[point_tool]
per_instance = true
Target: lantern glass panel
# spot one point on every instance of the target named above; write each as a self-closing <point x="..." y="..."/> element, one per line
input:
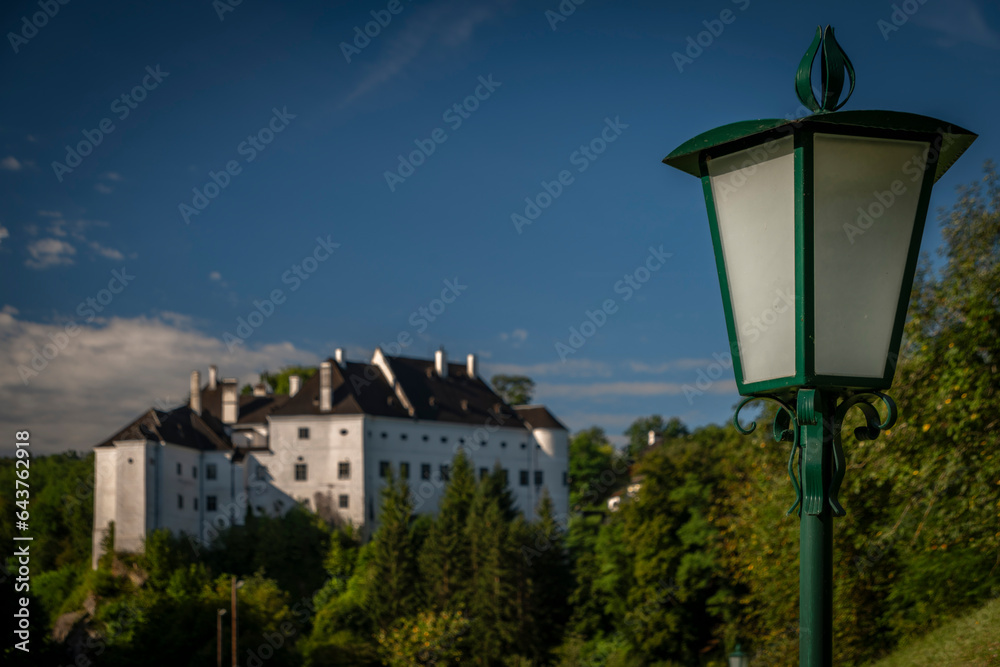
<point x="866" y="195"/>
<point x="753" y="192"/>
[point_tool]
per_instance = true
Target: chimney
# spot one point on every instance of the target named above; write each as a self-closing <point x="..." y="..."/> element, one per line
<point x="260" y="389"/>
<point x="195" y="402"/>
<point x="338" y="355"/>
<point x="471" y="367"/>
<point x="652" y="438"/>
<point x="229" y="401"/>
<point x="441" y="363"/>
<point x="213" y="377"/>
<point x="294" y="384"/>
<point x="325" y="388"/>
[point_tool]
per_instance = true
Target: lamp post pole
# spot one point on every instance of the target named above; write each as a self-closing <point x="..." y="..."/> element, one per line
<point x="815" y="416"/>
<point x="218" y="636"/>
<point x="234" y="620"/>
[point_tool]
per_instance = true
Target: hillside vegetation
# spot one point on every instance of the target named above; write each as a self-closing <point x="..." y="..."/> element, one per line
<point x="702" y="557"/>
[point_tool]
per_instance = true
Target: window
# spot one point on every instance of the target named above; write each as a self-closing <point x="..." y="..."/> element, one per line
<point x="483" y="472"/>
<point x="444" y="438"/>
<point x="404" y="470"/>
<point x="195" y="504"/>
<point x="524" y="478"/>
<point x="210" y="503"/>
<point x="425" y="471"/>
<point x="538" y="478"/>
<point x="344" y="501"/>
<point x="343" y="431"/>
<point x="461" y="441"/>
<point x="300" y="472"/>
<point x="384" y="434"/>
<point x="210" y="471"/>
<point x="179" y="469"/>
<point x="503" y="445"/>
<point x="344" y="470"/>
<point x="303" y="433"/>
<point x="383" y="468"/>
<point x="425" y="438"/>
<point x="180" y="501"/>
<point x="445" y="472"/>
<point x="523" y="445"/>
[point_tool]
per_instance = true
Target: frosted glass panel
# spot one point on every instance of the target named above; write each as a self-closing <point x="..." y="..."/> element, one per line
<point x="866" y="194"/>
<point x="754" y="193"/>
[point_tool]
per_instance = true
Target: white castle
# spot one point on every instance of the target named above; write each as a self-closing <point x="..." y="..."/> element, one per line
<point x="327" y="445"/>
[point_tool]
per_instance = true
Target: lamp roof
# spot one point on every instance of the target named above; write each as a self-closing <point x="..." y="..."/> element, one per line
<point x="955" y="139"/>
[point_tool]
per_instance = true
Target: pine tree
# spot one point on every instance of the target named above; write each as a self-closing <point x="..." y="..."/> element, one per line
<point x="445" y="557"/>
<point x="492" y="573"/>
<point x="550" y="572"/>
<point x="394" y="579"/>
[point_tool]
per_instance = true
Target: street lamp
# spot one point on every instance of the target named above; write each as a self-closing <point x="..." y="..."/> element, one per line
<point x="816" y="226"/>
<point x="218" y="636"/>
<point x="738" y="658"/>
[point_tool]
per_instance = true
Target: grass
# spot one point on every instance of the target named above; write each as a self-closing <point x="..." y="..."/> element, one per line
<point x="969" y="641"/>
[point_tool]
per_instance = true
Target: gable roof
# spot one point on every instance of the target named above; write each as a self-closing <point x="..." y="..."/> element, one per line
<point x="361" y="388"/>
<point x="538" y="416"/>
<point x="180" y="426"/>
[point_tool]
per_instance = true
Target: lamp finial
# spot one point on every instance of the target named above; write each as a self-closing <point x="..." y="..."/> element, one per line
<point x="834" y="64"/>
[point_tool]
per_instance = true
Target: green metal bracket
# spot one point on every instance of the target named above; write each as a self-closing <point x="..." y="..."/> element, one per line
<point x="785" y="428"/>
<point x="834" y="65"/>
<point x="805" y="426"/>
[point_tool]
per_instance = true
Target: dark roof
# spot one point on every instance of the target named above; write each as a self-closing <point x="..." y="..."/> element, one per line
<point x="455" y="398"/>
<point x="360" y="388"/>
<point x="252" y="409"/>
<point x="179" y="426"/>
<point x="538" y="416"/>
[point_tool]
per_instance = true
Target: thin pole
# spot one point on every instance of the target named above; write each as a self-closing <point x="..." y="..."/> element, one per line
<point x="218" y="637"/>
<point x="234" y="621"/>
<point x="816" y="414"/>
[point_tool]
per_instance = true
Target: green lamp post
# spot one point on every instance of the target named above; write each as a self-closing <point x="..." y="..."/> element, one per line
<point x="816" y="225"/>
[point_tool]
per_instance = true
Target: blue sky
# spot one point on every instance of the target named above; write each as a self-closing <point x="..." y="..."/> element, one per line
<point x="210" y="86"/>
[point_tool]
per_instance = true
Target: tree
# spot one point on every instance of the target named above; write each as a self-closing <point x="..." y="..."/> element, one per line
<point x="445" y="558"/>
<point x="638" y="432"/>
<point x="592" y="474"/>
<point x="514" y="389"/>
<point x="393" y="567"/>
<point x="551" y="578"/>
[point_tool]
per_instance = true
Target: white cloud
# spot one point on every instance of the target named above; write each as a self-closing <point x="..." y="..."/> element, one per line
<point x="10" y="163"/>
<point x="669" y="366"/>
<point x="112" y="176"/>
<point x="49" y="252"/>
<point x="108" y="375"/>
<point x="104" y="251"/>
<point x="104" y="189"/>
<point x="569" y="368"/>
<point x="49" y="214"/>
<point x="4" y="233"/>
<point x="517" y="336"/>
<point x="215" y="275"/>
<point x="450" y="24"/>
<point x="610" y="390"/>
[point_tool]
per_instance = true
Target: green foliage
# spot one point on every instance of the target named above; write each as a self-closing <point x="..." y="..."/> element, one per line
<point x="393" y="566"/>
<point x="591" y="455"/>
<point x="429" y="638"/>
<point x="514" y="389"/>
<point x="279" y="381"/>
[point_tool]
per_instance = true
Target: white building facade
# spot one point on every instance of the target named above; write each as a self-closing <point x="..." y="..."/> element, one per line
<point x="327" y="445"/>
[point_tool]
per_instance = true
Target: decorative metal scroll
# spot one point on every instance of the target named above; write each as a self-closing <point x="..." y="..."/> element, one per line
<point x="785" y="428"/>
<point x="834" y="66"/>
